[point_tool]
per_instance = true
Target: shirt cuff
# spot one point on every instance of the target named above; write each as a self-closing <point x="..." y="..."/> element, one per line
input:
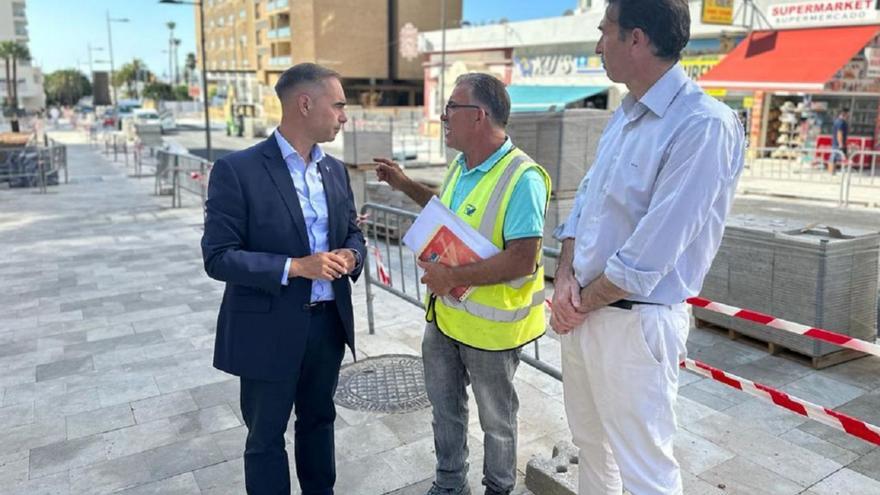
<point x="562" y="232"/>
<point x="284" y="280"/>
<point x="631" y="280"/>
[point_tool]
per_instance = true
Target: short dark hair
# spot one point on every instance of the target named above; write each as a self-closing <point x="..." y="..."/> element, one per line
<point x="844" y="110"/>
<point x="300" y="74"/>
<point x="488" y="90"/>
<point x="666" y="22"/>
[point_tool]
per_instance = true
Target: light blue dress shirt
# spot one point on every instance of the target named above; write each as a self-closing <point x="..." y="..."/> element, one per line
<point x="650" y="212"/>
<point x="310" y="191"/>
<point x="525" y="212"/>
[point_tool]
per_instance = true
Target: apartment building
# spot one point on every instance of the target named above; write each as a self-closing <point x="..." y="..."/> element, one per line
<point x="230" y="46"/>
<point x="251" y="42"/>
<point x="14" y="27"/>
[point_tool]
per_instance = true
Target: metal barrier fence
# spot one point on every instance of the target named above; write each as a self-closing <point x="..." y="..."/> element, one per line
<point x="860" y="170"/>
<point x="178" y="173"/>
<point x="383" y="227"/>
<point x="34" y="165"/>
<point x="824" y="167"/>
<point x="125" y="147"/>
<point x="175" y="174"/>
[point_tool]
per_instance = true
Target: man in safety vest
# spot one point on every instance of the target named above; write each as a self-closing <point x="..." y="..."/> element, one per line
<point x="502" y="193"/>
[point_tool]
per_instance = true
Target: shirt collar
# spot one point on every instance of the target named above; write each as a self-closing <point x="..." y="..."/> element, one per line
<point x="287" y="149"/>
<point x="661" y="94"/>
<point x="488" y="163"/>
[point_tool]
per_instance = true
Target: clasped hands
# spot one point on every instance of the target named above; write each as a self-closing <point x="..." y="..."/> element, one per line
<point x="566" y="314"/>
<point x="324" y="266"/>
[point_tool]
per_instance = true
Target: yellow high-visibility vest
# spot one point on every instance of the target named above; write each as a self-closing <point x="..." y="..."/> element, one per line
<point x="501" y="316"/>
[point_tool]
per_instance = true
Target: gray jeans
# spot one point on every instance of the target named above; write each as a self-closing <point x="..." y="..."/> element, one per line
<point x="449" y="368"/>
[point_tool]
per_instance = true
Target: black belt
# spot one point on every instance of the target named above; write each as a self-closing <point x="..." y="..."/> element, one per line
<point x="627" y="304"/>
<point x="318" y="306"/>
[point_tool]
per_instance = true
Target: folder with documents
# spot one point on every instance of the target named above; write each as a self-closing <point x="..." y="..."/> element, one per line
<point x="439" y="236"/>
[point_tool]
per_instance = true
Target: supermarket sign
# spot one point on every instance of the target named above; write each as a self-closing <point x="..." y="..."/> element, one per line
<point x="698" y="65"/>
<point x="823" y="13"/>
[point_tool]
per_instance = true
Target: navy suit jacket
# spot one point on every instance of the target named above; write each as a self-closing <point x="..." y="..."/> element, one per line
<point x="253" y="223"/>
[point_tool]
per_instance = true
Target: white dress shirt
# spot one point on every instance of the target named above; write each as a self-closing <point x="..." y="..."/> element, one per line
<point x="650" y="212"/>
<point x="310" y="191"/>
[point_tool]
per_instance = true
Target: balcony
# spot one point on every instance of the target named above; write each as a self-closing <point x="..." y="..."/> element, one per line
<point x="280" y="33"/>
<point x="283" y="61"/>
<point x="272" y="5"/>
<point x="21" y="29"/>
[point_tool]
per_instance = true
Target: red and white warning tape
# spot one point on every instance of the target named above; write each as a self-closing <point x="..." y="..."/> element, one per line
<point x="384" y="277"/>
<point x="788" y="326"/>
<point x="830" y="417"/>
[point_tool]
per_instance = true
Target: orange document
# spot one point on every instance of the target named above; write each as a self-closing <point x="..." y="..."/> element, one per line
<point x="446" y="248"/>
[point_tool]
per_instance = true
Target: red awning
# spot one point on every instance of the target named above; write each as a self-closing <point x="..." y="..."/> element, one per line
<point x="792" y="60"/>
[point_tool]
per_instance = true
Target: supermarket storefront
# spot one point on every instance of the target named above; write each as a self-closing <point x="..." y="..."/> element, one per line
<point x="794" y="82"/>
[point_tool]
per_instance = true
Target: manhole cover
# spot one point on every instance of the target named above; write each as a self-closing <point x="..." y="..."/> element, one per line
<point x="391" y="384"/>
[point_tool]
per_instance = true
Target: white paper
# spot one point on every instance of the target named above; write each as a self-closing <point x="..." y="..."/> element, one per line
<point x="435" y="214"/>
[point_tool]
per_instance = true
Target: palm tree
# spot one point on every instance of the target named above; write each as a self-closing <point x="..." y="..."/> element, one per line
<point x="176" y="42"/>
<point x="12" y="52"/>
<point x="171" y="25"/>
<point x="189" y="67"/>
<point x="6" y="53"/>
<point x="129" y="74"/>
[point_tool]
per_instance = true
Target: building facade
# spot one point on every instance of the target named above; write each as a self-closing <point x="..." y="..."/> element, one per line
<point x="14" y="27"/>
<point x="557" y="54"/>
<point x="249" y="43"/>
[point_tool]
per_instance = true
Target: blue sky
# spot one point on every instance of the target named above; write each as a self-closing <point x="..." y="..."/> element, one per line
<point x="60" y="30"/>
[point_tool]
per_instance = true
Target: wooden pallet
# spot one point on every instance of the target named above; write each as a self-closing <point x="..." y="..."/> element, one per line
<point x="774" y="349"/>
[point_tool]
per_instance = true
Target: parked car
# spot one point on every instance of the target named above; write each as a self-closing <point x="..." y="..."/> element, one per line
<point x="165" y="121"/>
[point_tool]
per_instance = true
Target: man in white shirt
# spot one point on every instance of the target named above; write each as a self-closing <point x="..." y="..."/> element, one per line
<point x="647" y="222"/>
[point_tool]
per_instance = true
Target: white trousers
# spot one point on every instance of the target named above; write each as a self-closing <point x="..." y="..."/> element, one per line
<point x="620" y="378"/>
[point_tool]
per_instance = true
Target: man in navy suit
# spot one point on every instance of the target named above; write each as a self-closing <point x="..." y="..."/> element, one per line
<point x="281" y="232"/>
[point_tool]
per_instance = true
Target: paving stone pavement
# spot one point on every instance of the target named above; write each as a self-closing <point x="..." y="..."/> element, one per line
<point x="106" y="384"/>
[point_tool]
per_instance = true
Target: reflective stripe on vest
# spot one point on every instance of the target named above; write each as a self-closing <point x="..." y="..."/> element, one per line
<point x="495" y="314"/>
<point x="487" y="225"/>
<point x="493" y="207"/>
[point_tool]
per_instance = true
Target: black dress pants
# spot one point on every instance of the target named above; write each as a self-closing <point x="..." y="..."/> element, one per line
<point x="266" y="407"/>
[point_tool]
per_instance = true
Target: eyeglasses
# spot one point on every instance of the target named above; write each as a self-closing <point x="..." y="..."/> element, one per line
<point x="453" y="106"/>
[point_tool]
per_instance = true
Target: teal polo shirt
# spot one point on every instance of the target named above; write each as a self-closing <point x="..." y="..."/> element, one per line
<point x="525" y="212"/>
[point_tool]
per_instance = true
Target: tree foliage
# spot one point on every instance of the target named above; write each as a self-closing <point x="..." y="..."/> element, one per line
<point x="161" y="91"/>
<point x="158" y="91"/>
<point x="181" y="93"/>
<point x="66" y="87"/>
<point x="189" y="68"/>
<point x="129" y="74"/>
<point x="12" y="52"/>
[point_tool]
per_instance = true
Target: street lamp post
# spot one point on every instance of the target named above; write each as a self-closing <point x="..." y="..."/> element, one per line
<point x="201" y="6"/>
<point x="110" y="46"/>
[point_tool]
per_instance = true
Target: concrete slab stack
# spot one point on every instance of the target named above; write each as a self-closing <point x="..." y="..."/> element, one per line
<point x="361" y="146"/>
<point x="817" y="276"/>
<point x="565" y="144"/>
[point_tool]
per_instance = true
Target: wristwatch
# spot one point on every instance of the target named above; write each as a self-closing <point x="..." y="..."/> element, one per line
<point x="357" y="257"/>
